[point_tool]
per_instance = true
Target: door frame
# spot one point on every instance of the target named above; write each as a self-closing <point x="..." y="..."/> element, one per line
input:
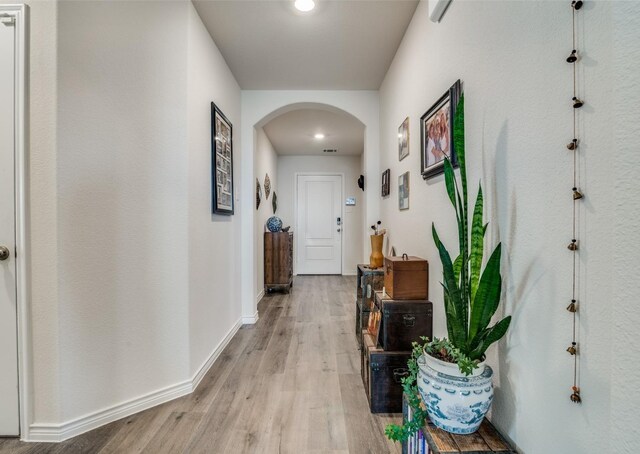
<point x="20" y="13"/>
<point x="295" y="212"/>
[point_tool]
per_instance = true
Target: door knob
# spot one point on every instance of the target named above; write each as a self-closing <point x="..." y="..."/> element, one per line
<point x="338" y="231"/>
<point x="4" y="253"/>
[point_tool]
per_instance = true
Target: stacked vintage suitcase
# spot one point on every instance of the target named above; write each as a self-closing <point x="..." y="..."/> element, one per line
<point x="406" y="315"/>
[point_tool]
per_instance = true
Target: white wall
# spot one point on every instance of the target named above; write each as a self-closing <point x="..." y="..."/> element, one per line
<point x="130" y="295"/>
<point x="353" y="228"/>
<point x="258" y="107"/>
<point x="625" y="373"/>
<point x="122" y="201"/>
<point x="265" y="162"/>
<point x="214" y="241"/>
<point x="510" y="57"/>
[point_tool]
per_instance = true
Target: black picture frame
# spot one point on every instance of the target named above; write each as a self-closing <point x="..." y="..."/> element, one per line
<point x="386" y="182"/>
<point x="222" y="187"/>
<point x="438" y="112"/>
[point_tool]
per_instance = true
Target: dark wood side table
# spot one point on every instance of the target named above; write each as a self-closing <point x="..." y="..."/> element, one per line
<point x="278" y="261"/>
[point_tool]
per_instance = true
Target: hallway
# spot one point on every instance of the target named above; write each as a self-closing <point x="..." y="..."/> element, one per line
<point x="288" y="384"/>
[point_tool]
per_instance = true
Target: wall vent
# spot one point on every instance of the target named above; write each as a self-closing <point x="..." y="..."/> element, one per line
<point x="329" y="150"/>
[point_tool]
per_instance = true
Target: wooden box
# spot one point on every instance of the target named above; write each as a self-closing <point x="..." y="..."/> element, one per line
<point x="403" y="322"/>
<point x="406" y="277"/>
<point x="278" y="261"/>
<point x="382" y="374"/>
<point x="368" y="281"/>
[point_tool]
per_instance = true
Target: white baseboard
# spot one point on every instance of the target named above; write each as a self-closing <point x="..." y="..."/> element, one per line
<point x="260" y="296"/>
<point x="251" y="319"/>
<point x="204" y="368"/>
<point x="46" y="432"/>
<point x="350" y="273"/>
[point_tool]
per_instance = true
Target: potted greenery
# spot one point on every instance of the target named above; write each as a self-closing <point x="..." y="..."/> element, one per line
<point x="449" y="374"/>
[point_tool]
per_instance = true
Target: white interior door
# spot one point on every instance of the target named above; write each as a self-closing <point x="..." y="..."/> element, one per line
<point x="9" y="413"/>
<point x="319" y="224"/>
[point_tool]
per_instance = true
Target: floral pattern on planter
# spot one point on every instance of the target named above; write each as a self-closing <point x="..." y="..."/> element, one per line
<point x="455" y="404"/>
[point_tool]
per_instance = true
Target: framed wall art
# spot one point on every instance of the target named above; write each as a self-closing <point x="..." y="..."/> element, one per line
<point x="436" y="133"/>
<point x="403" y="139"/>
<point x="221" y="162"/>
<point x="403" y="191"/>
<point x="386" y="183"/>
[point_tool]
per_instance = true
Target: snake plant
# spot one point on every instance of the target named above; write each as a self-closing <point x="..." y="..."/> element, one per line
<point x="471" y="294"/>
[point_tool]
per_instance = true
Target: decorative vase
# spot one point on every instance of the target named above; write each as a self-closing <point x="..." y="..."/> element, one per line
<point x="376" y="258"/>
<point x="274" y="224"/>
<point x="455" y="403"/>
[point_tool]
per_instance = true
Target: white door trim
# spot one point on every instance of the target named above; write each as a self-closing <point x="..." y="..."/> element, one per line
<point x="295" y="212"/>
<point x="20" y="13"/>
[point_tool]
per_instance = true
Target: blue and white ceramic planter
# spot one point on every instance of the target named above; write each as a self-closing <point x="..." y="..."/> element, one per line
<point x="455" y="403"/>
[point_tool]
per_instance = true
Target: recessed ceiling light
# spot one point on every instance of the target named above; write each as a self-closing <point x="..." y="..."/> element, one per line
<point x="304" y="5"/>
<point x="319" y="136"/>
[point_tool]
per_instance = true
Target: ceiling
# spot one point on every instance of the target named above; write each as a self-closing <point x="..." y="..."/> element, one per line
<point x="340" y="45"/>
<point x="292" y="133"/>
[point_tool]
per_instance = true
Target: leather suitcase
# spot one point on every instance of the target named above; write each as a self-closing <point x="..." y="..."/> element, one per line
<point x="403" y="322"/>
<point x="382" y="374"/>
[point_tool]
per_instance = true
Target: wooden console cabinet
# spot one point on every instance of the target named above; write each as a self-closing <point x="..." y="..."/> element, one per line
<point x="278" y="261"/>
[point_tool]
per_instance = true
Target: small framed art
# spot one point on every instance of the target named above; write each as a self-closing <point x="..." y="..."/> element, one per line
<point x="436" y="133"/>
<point x="403" y="139"/>
<point x="403" y="191"/>
<point x="221" y="162"/>
<point x="386" y="182"/>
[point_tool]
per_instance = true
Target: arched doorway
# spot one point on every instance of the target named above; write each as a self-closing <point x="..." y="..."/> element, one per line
<point x="260" y="107"/>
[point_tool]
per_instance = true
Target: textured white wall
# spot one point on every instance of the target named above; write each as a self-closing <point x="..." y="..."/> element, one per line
<point x="122" y="201"/>
<point x="353" y="230"/>
<point x="625" y="343"/>
<point x="510" y="57"/>
<point x="134" y="296"/>
<point x="265" y="161"/>
<point x="214" y="241"/>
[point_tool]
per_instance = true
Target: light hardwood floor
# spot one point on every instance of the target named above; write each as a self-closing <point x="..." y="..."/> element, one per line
<point x="288" y="384"/>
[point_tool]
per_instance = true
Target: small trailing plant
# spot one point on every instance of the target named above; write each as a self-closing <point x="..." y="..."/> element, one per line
<point x="471" y="294"/>
<point x="402" y="432"/>
<point x="443" y="349"/>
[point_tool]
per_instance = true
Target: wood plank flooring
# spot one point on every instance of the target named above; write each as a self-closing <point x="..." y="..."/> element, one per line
<point x="288" y="384"/>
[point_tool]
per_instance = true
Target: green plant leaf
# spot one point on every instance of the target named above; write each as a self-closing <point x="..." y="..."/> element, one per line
<point x="458" y="144"/>
<point x="451" y="287"/>
<point x="477" y="244"/>
<point x="489" y="336"/>
<point x="487" y="296"/>
<point x="456" y="330"/>
<point x="464" y="262"/>
<point x="450" y="181"/>
<point x="457" y="265"/>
